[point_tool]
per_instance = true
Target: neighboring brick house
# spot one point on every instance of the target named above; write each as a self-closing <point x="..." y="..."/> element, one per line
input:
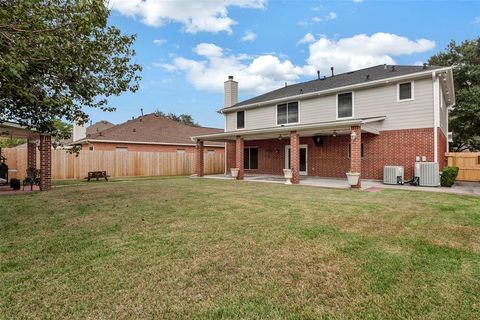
<point x="359" y="121"/>
<point x="150" y="132"/>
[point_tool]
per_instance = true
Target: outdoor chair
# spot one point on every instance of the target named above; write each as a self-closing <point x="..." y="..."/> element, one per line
<point x="32" y="178"/>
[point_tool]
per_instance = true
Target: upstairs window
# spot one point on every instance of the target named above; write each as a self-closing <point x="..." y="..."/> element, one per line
<point x="287" y="113"/>
<point x="405" y="91"/>
<point x="345" y="105"/>
<point x="240" y="119"/>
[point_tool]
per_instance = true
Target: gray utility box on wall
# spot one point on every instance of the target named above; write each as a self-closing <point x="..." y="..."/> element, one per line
<point x="427" y="174"/>
<point x="393" y="175"/>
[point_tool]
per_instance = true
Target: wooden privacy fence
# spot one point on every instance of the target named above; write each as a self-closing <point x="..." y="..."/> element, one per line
<point x="468" y="164"/>
<point x="116" y="163"/>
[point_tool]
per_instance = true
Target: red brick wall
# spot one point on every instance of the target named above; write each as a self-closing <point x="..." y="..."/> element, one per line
<point x="396" y="147"/>
<point x="148" y="147"/>
<point x="442" y="149"/>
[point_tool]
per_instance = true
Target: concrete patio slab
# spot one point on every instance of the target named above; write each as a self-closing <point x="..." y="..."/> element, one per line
<point x="467" y="188"/>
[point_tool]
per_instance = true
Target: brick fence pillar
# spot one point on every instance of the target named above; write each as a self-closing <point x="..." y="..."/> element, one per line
<point x="199" y="160"/>
<point x="295" y="156"/>
<point x="31" y="154"/>
<point x="356" y="153"/>
<point x="45" y="162"/>
<point x="239" y="158"/>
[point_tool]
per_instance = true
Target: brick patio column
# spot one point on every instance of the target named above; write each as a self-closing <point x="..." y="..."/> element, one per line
<point x="199" y="160"/>
<point x="45" y="162"/>
<point x="31" y="154"/>
<point x="356" y="152"/>
<point x="239" y="157"/>
<point x="295" y="156"/>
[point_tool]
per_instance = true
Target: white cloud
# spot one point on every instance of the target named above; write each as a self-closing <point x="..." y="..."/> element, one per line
<point x="361" y="50"/>
<point x="195" y="16"/>
<point x="330" y="16"/>
<point x="159" y="42"/>
<point x="249" y="36"/>
<point x="476" y="20"/>
<point x="357" y="1"/>
<point x="308" y="38"/>
<point x="258" y="74"/>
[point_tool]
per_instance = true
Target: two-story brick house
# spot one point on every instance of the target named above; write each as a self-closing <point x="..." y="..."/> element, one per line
<point x="359" y="121"/>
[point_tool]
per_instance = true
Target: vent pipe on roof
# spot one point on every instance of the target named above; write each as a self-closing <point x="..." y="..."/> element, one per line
<point x="141" y="112"/>
<point x="230" y="92"/>
<point x="385" y="66"/>
<point x="393" y="68"/>
<point x="318" y="74"/>
<point x="285" y="84"/>
<point x="424" y="66"/>
<point x="331" y="69"/>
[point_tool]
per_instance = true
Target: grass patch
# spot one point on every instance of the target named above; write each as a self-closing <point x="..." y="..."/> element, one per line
<point x="211" y="249"/>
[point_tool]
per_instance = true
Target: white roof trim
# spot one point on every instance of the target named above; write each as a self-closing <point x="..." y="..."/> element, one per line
<point x="285" y="129"/>
<point x="335" y="90"/>
<point x="141" y="142"/>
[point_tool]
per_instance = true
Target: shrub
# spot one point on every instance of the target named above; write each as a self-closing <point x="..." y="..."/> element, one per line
<point x="449" y="174"/>
<point x="15" y="184"/>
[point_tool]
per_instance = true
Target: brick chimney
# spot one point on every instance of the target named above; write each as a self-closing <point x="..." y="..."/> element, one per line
<point x="230" y="92"/>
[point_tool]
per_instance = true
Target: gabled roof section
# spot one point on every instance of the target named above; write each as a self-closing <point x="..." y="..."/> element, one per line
<point x="150" y="128"/>
<point x="361" y="76"/>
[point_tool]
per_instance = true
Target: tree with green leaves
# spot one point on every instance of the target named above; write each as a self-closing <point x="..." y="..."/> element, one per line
<point x="182" y="118"/>
<point x="59" y="57"/>
<point x="465" y="116"/>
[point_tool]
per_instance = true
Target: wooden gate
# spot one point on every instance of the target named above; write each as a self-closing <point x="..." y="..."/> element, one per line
<point x="468" y="164"/>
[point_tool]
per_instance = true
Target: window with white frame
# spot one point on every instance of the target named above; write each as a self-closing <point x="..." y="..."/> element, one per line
<point x="250" y="158"/>
<point x="287" y="113"/>
<point x="345" y="105"/>
<point x="405" y="91"/>
<point x="241" y="119"/>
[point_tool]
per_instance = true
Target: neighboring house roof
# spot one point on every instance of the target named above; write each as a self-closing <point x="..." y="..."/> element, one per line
<point x="379" y="72"/>
<point x="99" y="126"/>
<point x="153" y="129"/>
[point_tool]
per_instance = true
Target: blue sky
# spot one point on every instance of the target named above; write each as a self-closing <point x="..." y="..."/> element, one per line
<point x="188" y="48"/>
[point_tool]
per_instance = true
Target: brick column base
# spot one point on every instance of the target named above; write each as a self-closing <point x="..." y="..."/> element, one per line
<point x="295" y="156"/>
<point x="45" y="162"/>
<point x="199" y="160"/>
<point x="31" y="154"/>
<point x="239" y="158"/>
<point x="356" y="153"/>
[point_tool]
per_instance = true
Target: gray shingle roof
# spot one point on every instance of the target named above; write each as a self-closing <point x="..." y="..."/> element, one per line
<point x="340" y="80"/>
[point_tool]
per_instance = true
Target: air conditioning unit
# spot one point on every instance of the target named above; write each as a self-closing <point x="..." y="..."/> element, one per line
<point x="393" y="175"/>
<point x="427" y="174"/>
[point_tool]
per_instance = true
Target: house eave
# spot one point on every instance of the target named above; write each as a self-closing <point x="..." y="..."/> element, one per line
<point x="231" y="135"/>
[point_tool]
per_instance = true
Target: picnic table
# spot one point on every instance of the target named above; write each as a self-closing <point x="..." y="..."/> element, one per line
<point x="97" y="175"/>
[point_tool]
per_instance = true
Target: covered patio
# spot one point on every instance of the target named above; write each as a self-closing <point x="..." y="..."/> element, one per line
<point x="287" y="147"/>
<point x="34" y="141"/>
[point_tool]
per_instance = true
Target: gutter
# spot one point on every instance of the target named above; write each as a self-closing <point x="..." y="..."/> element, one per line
<point x="287" y="128"/>
<point x="333" y="90"/>
<point x="89" y="141"/>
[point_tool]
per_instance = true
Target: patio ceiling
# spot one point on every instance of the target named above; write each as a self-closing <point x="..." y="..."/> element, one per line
<point x="13" y="130"/>
<point x="327" y="128"/>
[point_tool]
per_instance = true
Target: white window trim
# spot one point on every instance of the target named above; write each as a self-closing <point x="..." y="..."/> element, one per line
<point x="288" y="123"/>
<point x="244" y="119"/>
<point x="412" y="88"/>
<point x="353" y="105"/>
<point x="258" y="157"/>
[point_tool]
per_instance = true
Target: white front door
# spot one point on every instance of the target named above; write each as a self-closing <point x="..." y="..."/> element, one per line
<point x="303" y="158"/>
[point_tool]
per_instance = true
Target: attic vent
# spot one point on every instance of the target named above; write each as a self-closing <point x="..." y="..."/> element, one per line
<point x="367" y="77"/>
<point x="393" y="68"/>
<point x="301" y="90"/>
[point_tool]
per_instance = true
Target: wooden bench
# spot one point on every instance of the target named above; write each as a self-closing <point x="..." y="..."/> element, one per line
<point x="97" y="175"/>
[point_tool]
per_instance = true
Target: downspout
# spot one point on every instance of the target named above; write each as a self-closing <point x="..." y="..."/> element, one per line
<point x="225" y="144"/>
<point x="436" y="109"/>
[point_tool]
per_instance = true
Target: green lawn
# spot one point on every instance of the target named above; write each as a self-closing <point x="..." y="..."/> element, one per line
<point x="198" y="248"/>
